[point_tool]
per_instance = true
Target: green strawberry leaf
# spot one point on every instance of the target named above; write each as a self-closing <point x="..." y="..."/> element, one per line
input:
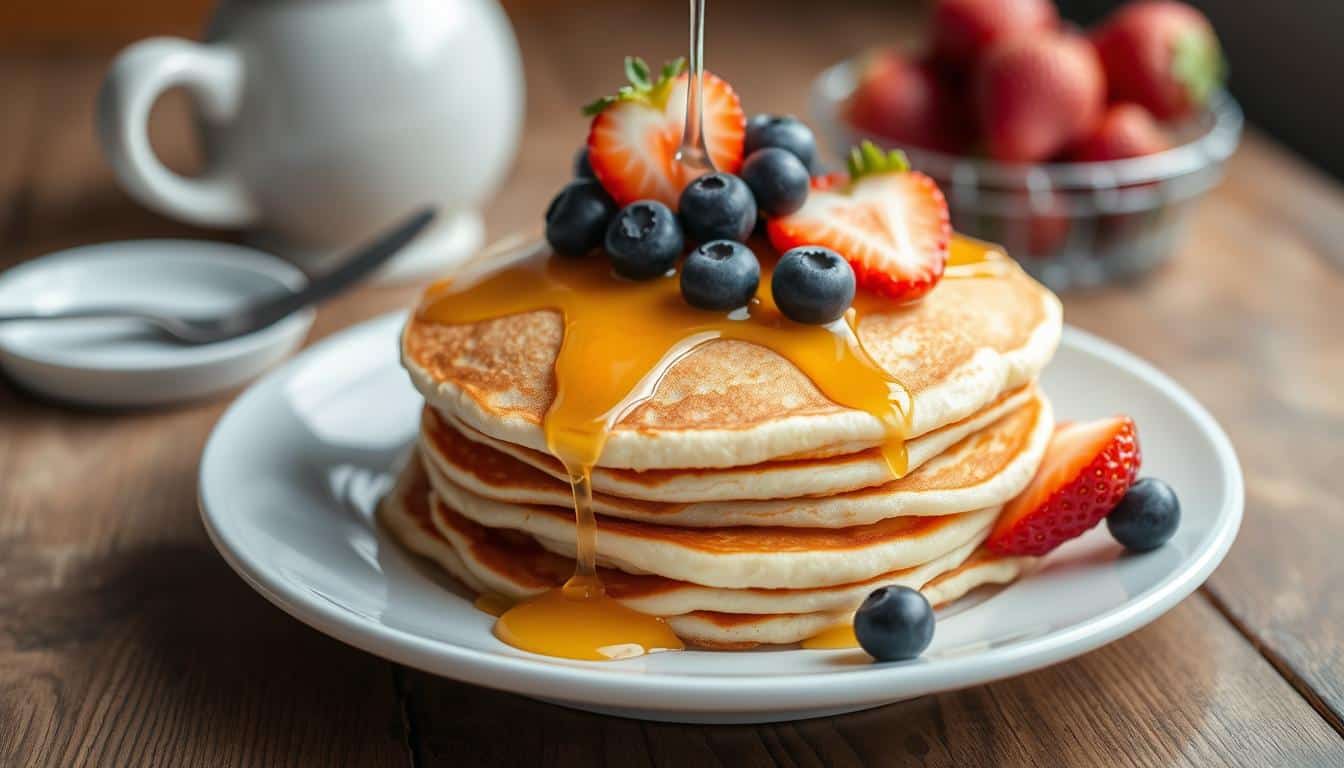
<point x="673" y="68"/>
<point x="642" y="87"/>
<point x="1198" y="64"/>
<point x="868" y="159"/>
<point x="637" y="72"/>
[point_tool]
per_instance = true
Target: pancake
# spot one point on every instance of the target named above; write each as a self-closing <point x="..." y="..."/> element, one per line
<point x="404" y="512"/>
<point x="731" y="403"/>
<point x="501" y="561"/>
<point x="778" y="479"/>
<point x="770" y="557"/>
<point x="490" y="561"/>
<point x="981" y="568"/>
<point x="736" y="631"/>
<point x="984" y="469"/>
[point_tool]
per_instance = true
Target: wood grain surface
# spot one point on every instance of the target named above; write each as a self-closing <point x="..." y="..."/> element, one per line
<point x="125" y="640"/>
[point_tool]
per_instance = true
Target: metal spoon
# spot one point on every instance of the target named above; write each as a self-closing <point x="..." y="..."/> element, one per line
<point x="262" y="312"/>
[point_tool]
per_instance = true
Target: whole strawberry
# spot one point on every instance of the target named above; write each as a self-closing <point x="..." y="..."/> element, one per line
<point x="906" y="102"/>
<point x="1038" y="95"/>
<point x="1161" y="54"/>
<point x="965" y="30"/>
<point x="1126" y="130"/>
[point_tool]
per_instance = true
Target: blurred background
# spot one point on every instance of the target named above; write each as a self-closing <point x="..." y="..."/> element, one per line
<point x="1287" y="60"/>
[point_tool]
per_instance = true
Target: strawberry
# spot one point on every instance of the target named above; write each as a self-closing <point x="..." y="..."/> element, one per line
<point x="1085" y="472"/>
<point x="965" y="30"/>
<point x="1126" y="130"/>
<point x="890" y="223"/>
<point x="1038" y="95"/>
<point x="907" y="102"/>
<point x="1040" y="230"/>
<point x="1161" y="54"/>
<point x="634" y="136"/>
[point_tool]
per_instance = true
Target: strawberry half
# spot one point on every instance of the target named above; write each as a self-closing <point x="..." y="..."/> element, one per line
<point x="633" y="140"/>
<point x="890" y="223"/>
<point x="1086" y="470"/>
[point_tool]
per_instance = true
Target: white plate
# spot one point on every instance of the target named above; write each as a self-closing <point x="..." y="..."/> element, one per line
<point x="122" y="362"/>
<point x="293" y="471"/>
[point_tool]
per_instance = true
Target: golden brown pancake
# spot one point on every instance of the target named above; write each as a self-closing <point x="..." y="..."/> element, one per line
<point x="776" y="479"/>
<point x="506" y="564"/>
<point x="734" y="556"/>
<point x="982" y="470"/>
<point x="730" y="403"/>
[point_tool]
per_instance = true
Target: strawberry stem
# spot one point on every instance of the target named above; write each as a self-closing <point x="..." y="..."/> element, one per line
<point x="641" y="87"/>
<point x="868" y="159"/>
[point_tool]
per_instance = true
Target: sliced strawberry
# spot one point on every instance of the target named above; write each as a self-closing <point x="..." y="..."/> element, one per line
<point x="1086" y="470"/>
<point x="634" y="136"/>
<point x="828" y="181"/>
<point x="890" y="223"/>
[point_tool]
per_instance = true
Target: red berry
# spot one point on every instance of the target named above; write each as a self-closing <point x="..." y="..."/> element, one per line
<point x="1086" y="470"/>
<point x="1162" y="55"/>
<point x="892" y="227"/>
<point x="907" y="102"/>
<point x="634" y="136"/>
<point x="1126" y="130"/>
<point x="1038" y="95"/>
<point x="965" y="30"/>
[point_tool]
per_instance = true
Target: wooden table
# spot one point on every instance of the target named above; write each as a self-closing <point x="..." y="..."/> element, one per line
<point x="125" y="639"/>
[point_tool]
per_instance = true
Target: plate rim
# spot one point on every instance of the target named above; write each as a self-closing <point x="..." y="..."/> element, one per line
<point x="673" y="692"/>
<point x="205" y="254"/>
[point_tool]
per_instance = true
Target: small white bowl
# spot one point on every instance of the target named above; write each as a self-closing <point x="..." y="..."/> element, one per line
<point x="126" y="363"/>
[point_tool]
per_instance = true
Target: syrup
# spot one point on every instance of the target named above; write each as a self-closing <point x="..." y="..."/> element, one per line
<point x="968" y="257"/>
<point x="493" y="604"/>
<point x="838" y="636"/>
<point x="600" y="376"/>
<point x="693" y="155"/>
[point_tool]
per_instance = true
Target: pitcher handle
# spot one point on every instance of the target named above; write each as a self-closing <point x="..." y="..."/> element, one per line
<point x="213" y="75"/>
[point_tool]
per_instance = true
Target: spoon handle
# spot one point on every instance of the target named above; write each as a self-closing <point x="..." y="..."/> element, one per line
<point x="352" y="269"/>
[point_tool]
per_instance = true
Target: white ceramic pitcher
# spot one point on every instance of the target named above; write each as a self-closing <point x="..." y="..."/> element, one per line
<point x="324" y="120"/>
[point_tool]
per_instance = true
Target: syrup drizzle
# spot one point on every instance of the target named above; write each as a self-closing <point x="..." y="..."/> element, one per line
<point x="967" y="258"/>
<point x="693" y="155"/>
<point x="619" y="339"/>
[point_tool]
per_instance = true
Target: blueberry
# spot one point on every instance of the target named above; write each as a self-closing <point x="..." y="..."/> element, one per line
<point x="582" y="168"/>
<point x="894" y="624"/>
<point x="644" y="240"/>
<point x="778" y="180"/>
<point x="812" y="285"/>
<point x="722" y="275"/>
<point x="784" y="132"/>
<point x="717" y="206"/>
<point x="577" y="218"/>
<point x="1146" y="517"/>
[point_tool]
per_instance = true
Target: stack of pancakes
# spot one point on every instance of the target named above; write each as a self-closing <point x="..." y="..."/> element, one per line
<point x="737" y="501"/>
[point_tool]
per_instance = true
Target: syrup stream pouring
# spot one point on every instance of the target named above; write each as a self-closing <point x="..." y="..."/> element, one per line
<point x="693" y="155"/>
